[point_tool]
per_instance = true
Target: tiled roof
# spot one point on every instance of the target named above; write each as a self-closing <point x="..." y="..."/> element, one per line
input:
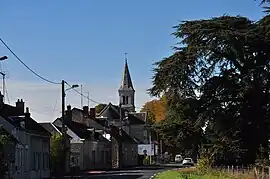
<point x="30" y="125"/>
<point x="51" y="128"/>
<point x="113" y="112"/>
<point x="8" y="110"/>
<point x="114" y="131"/>
<point x="82" y="131"/>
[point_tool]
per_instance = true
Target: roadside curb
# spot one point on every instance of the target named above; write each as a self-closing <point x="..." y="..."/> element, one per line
<point x="153" y="176"/>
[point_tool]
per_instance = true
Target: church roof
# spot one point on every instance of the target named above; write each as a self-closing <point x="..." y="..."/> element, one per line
<point x="126" y="83"/>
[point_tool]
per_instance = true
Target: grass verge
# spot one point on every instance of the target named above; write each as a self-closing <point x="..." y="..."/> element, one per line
<point x="191" y="173"/>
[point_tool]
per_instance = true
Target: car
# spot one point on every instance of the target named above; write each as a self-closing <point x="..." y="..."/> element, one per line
<point x="178" y="158"/>
<point x="188" y="162"/>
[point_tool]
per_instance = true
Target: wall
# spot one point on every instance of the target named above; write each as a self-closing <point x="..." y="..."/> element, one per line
<point x="95" y="155"/>
<point x="91" y="154"/>
<point x="130" y="154"/>
<point x="37" y="156"/>
<point x="139" y="132"/>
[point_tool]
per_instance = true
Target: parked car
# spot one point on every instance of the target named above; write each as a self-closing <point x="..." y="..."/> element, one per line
<point x="188" y="162"/>
<point x="178" y="158"/>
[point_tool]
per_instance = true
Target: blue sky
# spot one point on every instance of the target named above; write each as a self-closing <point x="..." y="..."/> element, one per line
<point x="85" y="41"/>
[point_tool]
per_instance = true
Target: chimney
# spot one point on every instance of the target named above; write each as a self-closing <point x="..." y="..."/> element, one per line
<point x="68" y="116"/>
<point x="85" y="111"/>
<point x="1" y="98"/>
<point x="20" y="107"/>
<point x="93" y="113"/>
<point x="27" y="113"/>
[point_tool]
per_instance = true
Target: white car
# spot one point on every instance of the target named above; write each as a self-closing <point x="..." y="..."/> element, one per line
<point x="188" y="161"/>
<point x="178" y="158"/>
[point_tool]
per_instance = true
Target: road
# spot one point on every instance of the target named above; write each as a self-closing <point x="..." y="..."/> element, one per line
<point x="136" y="173"/>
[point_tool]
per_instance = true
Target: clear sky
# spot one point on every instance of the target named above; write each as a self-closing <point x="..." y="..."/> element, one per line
<point x="84" y="42"/>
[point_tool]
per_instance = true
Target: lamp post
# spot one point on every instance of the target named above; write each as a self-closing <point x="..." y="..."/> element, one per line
<point x="3" y="75"/>
<point x="63" y="119"/>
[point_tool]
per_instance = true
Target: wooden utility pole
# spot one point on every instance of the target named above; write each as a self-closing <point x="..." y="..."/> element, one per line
<point x="63" y="126"/>
<point x="120" y="160"/>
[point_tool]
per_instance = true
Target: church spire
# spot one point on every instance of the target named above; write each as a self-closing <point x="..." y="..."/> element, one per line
<point x="126" y="83"/>
<point x="126" y="90"/>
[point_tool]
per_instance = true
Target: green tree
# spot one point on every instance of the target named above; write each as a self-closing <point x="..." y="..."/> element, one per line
<point x="56" y="153"/>
<point x="5" y="138"/>
<point x="100" y="107"/>
<point x="223" y="63"/>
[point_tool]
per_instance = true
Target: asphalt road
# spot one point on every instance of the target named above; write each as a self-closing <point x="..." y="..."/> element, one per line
<point x="127" y="174"/>
<point x="136" y="173"/>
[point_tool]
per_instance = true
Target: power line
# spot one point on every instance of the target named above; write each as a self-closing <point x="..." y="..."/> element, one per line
<point x="41" y="77"/>
<point x="86" y="97"/>
<point x="82" y="94"/>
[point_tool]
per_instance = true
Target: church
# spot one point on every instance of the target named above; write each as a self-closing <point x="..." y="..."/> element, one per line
<point x="124" y="114"/>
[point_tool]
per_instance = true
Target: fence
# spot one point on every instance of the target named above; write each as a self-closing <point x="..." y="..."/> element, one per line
<point x="254" y="172"/>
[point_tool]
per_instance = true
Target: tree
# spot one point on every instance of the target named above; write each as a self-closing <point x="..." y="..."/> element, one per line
<point x="100" y="107"/>
<point x="156" y="109"/>
<point x="223" y="63"/>
<point x="5" y="138"/>
<point x="56" y="153"/>
<point x="179" y="129"/>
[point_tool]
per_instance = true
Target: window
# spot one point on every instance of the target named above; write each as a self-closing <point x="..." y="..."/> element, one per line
<point x="33" y="161"/>
<point x="123" y="100"/>
<point x="107" y="157"/>
<point x="102" y="157"/>
<point x="127" y="100"/>
<point x="94" y="156"/>
<point x="38" y="160"/>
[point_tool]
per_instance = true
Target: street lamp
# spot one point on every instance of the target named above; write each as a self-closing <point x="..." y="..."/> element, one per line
<point x="3" y="58"/>
<point x="63" y="118"/>
<point x="3" y="75"/>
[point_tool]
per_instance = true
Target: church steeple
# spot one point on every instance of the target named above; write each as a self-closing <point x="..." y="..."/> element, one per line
<point x="126" y="90"/>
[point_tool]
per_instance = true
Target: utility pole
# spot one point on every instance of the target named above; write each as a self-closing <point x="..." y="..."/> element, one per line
<point x="81" y="97"/>
<point x="3" y="84"/>
<point x="63" y="126"/>
<point x="88" y="99"/>
<point x="64" y="138"/>
<point x="150" y="141"/>
<point x="120" y="135"/>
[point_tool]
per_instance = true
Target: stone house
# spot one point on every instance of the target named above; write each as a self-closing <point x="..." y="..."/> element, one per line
<point x="34" y="155"/>
<point x="121" y="141"/>
<point x="132" y="123"/>
<point x="89" y="149"/>
<point x="54" y="130"/>
<point x="31" y="153"/>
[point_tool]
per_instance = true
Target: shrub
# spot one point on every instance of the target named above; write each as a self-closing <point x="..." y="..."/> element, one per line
<point x="204" y="165"/>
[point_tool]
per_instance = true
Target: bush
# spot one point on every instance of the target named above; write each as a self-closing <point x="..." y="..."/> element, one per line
<point x="204" y="165"/>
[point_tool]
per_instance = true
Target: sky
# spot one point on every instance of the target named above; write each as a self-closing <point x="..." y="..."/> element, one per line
<point x="83" y="42"/>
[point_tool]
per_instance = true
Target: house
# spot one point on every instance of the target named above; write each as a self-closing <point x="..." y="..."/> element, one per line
<point x="35" y="154"/>
<point x="89" y="149"/>
<point x="122" y="142"/>
<point x="132" y="123"/>
<point x="54" y="130"/>
<point x="32" y="149"/>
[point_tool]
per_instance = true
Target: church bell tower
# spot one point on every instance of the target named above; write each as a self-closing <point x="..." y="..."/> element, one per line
<point x="126" y="90"/>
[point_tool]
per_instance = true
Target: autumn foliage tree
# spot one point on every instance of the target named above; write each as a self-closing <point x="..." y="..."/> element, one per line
<point x="156" y="109"/>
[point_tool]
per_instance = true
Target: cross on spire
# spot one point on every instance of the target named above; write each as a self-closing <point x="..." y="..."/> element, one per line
<point x="126" y="57"/>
